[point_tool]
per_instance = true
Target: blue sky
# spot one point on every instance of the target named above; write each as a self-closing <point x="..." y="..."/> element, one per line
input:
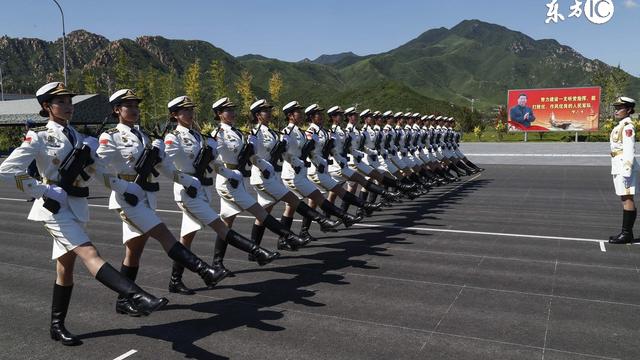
<point x="293" y="30"/>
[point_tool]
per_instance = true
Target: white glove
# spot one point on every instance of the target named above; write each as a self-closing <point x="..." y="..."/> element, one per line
<point x="135" y="189"/>
<point x="194" y="182"/>
<point x="212" y="143"/>
<point x="252" y="140"/>
<point x="92" y="143"/>
<point x="159" y="144"/>
<point x="54" y="192"/>
<point x="626" y="181"/>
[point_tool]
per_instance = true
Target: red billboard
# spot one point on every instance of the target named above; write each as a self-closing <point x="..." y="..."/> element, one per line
<point x="562" y="109"/>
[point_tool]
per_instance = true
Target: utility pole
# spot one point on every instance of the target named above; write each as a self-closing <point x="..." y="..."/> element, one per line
<point x="64" y="47"/>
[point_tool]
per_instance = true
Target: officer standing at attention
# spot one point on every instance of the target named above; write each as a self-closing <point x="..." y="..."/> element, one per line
<point x="624" y="166"/>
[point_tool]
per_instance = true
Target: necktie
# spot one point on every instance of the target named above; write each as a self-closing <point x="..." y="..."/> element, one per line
<point x="195" y="135"/>
<point x="137" y="134"/>
<point x="69" y="134"/>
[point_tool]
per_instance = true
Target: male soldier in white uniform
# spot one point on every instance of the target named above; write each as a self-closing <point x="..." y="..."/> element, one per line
<point x="624" y="166"/>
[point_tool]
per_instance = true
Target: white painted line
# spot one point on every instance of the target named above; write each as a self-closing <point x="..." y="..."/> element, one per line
<point x="602" y="248"/>
<point x="126" y="355"/>
<point x="542" y="155"/>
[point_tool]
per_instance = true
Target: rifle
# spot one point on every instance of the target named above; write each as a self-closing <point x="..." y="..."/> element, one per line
<point x="145" y="166"/>
<point x="326" y="149"/>
<point x="245" y="154"/>
<point x="306" y="150"/>
<point x="202" y="161"/>
<point x="346" y="146"/>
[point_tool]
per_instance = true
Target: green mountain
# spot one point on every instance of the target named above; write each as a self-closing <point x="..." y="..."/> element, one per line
<point x="430" y="73"/>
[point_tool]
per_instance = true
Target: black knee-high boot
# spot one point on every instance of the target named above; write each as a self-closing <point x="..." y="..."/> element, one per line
<point x="123" y="305"/>
<point x="307" y="211"/>
<point x="285" y="233"/>
<point x="379" y="190"/>
<point x="219" y="250"/>
<point x="261" y="256"/>
<point x="139" y="299"/>
<point x="175" y="283"/>
<point x="59" y="307"/>
<point x="359" y="202"/>
<point x="304" y="229"/>
<point x="282" y="243"/>
<point x="257" y="233"/>
<point x="183" y="256"/>
<point x="626" y="235"/>
<point x="346" y="218"/>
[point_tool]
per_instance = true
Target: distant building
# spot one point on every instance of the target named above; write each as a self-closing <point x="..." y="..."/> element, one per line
<point x="88" y="110"/>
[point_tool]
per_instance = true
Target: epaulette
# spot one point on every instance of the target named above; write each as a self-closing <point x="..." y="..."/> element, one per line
<point x="112" y="131"/>
<point x="175" y="132"/>
<point x="39" y="128"/>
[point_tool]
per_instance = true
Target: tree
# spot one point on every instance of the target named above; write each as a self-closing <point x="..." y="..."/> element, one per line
<point x="90" y="81"/>
<point x="275" y="90"/>
<point x="613" y="82"/>
<point x="243" y="86"/>
<point x="123" y="75"/>
<point x="216" y="78"/>
<point x="192" y="83"/>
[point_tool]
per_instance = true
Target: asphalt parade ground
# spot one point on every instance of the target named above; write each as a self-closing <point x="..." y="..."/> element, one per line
<point x="507" y="264"/>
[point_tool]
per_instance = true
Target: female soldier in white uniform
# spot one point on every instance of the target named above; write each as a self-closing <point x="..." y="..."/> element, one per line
<point x="121" y="161"/>
<point x="64" y="213"/>
<point x="624" y="166"/>
<point x="318" y="170"/>
<point x="234" y="198"/>
<point x="294" y="169"/>
<point x="339" y="169"/>
<point x="184" y="147"/>
<point x="268" y="184"/>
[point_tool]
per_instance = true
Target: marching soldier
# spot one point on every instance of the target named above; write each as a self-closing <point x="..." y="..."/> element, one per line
<point x="269" y="186"/>
<point x="318" y="170"/>
<point x="624" y="166"/>
<point x="236" y="153"/>
<point x="128" y="161"/>
<point x="62" y="156"/>
<point x="294" y="169"/>
<point x="338" y="167"/>
<point x="192" y="153"/>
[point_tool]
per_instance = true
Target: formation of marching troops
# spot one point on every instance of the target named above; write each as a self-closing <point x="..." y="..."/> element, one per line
<point x="319" y="156"/>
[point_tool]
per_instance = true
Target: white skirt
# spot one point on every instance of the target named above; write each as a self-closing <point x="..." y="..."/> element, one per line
<point x="196" y="214"/>
<point x="137" y="220"/>
<point x="270" y="191"/>
<point x="67" y="232"/>
<point x="233" y="200"/>
<point x="300" y="185"/>
<point x="618" y="184"/>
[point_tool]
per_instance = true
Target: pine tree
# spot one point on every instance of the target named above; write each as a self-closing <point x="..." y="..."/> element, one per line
<point x="216" y="78"/>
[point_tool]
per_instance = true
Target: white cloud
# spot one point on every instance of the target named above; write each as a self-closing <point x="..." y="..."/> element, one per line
<point x="630" y="4"/>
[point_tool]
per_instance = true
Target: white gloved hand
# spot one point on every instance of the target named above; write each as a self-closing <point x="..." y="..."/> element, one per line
<point x="212" y="143"/>
<point x="252" y="140"/>
<point x="54" y="192"/>
<point x="626" y="181"/>
<point x="135" y="189"/>
<point x="195" y="182"/>
<point x="92" y="143"/>
<point x="158" y="143"/>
